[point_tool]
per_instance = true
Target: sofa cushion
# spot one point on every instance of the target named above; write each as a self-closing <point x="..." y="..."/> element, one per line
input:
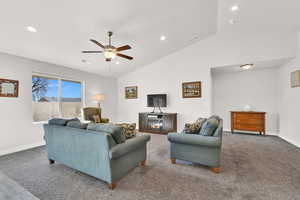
<point x="209" y="127"/>
<point x="61" y="121"/>
<point x="129" y="130"/>
<point x="194" y="128"/>
<point x="77" y="124"/>
<point x="115" y="131"/>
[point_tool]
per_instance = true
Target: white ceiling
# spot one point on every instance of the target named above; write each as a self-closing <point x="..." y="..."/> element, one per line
<point x="257" y="66"/>
<point x="65" y="27"/>
<point x="260" y="15"/>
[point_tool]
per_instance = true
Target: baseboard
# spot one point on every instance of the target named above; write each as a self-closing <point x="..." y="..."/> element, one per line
<point x="21" y="148"/>
<point x="267" y="133"/>
<point x="289" y="141"/>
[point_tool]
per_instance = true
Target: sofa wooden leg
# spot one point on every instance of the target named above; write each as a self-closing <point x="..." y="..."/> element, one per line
<point x="143" y="163"/>
<point x="216" y="169"/>
<point x="112" y="186"/>
<point x="51" y="161"/>
<point x="173" y="160"/>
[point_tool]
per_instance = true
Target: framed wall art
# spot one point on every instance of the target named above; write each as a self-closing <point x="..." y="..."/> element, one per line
<point x="9" y="88"/>
<point x="131" y="92"/>
<point x="191" y="89"/>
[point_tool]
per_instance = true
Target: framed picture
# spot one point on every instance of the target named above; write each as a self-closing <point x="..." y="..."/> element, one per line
<point x="191" y="89"/>
<point x="131" y="92"/>
<point x="295" y="79"/>
<point x="9" y="88"/>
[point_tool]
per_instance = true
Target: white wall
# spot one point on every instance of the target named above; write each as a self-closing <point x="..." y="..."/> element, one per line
<point x="193" y="63"/>
<point x="289" y="104"/>
<point x="257" y="88"/>
<point x="17" y="130"/>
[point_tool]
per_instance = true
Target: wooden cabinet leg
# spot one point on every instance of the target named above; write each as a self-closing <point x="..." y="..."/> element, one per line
<point x="112" y="186"/>
<point x="173" y="160"/>
<point x="143" y="163"/>
<point x="51" y="161"/>
<point x="216" y="169"/>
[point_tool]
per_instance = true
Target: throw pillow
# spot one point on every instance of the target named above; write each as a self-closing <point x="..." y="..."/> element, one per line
<point x="129" y="130"/>
<point x="209" y="127"/>
<point x="97" y="118"/>
<point x="193" y="128"/>
<point x="115" y="131"/>
<point x="77" y="124"/>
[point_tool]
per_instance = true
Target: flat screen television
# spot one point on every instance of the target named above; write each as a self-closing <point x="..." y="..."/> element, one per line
<point x="157" y="100"/>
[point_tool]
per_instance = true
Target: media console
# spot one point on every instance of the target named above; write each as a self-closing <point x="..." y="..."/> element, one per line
<point x="161" y="123"/>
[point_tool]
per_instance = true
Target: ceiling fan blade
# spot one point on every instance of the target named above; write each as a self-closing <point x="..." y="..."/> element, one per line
<point x="123" y="48"/>
<point x="124" y="56"/>
<point x="91" y="51"/>
<point x="97" y="43"/>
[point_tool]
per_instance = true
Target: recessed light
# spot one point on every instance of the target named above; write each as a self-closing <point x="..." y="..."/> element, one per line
<point x="85" y="61"/>
<point x="234" y="8"/>
<point x="162" y="38"/>
<point x="232" y="21"/>
<point x="117" y="62"/>
<point x="31" y="29"/>
<point x="247" y="66"/>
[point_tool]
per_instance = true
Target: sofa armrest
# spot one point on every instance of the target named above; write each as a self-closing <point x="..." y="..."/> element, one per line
<point x="128" y="146"/>
<point x="104" y="120"/>
<point x="192" y="139"/>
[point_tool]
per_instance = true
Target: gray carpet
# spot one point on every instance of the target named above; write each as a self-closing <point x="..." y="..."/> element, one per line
<point x="253" y="167"/>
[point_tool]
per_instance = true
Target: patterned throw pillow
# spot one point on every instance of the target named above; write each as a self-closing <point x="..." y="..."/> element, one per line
<point x="129" y="130"/>
<point x="97" y="118"/>
<point x="193" y="128"/>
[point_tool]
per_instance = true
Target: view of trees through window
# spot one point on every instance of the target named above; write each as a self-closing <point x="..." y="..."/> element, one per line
<point x="55" y="98"/>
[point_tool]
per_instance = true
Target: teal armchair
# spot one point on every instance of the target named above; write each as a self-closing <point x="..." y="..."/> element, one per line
<point x="89" y="112"/>
<point x="205" y="150"/>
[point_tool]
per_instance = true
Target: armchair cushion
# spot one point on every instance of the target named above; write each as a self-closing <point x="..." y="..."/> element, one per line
<point x="209" y="127"/>
<point x="197" y="140"/>
<point x="127" y="147"/>
<point x="115" y="131"/>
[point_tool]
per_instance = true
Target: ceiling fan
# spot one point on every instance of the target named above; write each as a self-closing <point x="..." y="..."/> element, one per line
<point x="109" y="51"/>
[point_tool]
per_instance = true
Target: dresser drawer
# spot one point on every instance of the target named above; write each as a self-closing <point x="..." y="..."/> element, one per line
<point x="249" y="121"/>
<point x="246" y="116"/>
<point x="248" y="127"/>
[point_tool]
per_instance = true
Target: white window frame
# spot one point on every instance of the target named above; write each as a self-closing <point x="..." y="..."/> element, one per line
<point x="60" y="79"/>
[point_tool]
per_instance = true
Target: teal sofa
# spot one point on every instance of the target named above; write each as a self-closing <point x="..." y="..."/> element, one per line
<point x="94" y="150"/>
<point x="205" y="150"/>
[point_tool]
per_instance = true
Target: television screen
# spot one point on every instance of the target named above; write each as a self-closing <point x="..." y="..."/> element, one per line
<point x="157" y="100"/>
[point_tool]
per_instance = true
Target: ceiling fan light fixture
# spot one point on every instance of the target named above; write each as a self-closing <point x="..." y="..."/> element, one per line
<point x="247" y="66"/>
<point x="109" y="53"/>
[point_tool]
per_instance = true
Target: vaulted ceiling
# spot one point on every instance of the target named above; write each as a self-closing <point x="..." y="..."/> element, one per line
<point x="64" y="27"/>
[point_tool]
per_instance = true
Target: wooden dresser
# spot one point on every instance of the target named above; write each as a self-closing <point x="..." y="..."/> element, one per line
<point x="248" y="121"/>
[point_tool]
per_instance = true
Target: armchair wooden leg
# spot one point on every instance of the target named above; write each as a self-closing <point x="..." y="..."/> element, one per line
<point x="216" y="169"/>
<point x="173" y="160"/>
<point x="51" y="161"/>
<point x="112" y="186"/>
<point x="143" y="163"/>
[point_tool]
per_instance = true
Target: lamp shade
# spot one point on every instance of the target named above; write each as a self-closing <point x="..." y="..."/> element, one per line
<point x="99" y="97"/>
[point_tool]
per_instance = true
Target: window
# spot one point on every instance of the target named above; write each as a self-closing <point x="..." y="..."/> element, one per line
<point x="53" y="97"/>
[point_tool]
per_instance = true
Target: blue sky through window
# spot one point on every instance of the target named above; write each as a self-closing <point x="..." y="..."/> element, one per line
<point x="71" y="91"/>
